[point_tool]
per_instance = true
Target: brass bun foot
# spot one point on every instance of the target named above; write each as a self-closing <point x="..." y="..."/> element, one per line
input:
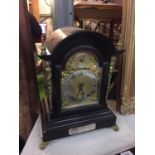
<point x="115" y="127"/>
<point x="43" y="145"/>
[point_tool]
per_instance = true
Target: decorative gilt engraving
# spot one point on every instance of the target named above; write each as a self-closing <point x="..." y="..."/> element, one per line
<point x="48" y="82"/>
<point x="112" y="67"/>
<point x="80" y="82"/>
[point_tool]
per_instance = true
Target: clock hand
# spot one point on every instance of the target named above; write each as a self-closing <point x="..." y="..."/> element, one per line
<point x="77" y="95"/>
<point x="80" y="91"/>
<point x="81" y="86"/>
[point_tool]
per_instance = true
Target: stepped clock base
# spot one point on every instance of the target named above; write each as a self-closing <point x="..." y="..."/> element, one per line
<point x="62" y="127"/>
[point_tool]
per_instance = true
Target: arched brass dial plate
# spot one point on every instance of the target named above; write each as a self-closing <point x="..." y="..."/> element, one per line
<point x="80" y="83"/>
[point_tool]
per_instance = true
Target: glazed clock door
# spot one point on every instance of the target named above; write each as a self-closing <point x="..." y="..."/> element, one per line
<point x="80" y="80"/>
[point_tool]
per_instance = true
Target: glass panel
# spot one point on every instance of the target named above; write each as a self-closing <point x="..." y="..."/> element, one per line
<point x="80" y="82"/>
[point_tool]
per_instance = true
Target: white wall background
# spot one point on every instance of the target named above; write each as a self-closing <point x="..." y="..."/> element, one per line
<point x="44" y="8"/>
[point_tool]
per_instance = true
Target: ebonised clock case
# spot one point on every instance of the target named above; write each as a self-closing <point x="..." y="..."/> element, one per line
<point x="63" y="43"/>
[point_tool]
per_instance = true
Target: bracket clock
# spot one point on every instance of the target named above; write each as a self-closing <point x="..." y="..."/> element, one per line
<point x="76" y="66"/>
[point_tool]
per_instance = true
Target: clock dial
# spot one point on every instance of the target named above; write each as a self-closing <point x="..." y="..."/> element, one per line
<point x="80" y="86"/>
<point x="80" y="83"/>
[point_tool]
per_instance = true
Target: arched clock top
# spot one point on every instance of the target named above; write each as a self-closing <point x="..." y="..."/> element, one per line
<point x="65" y="41"/>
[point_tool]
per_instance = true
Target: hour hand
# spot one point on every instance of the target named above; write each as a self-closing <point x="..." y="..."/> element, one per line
<point x="80" y="91"/>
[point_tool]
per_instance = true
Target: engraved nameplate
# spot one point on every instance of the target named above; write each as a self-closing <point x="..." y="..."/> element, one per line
<point x="82" y="129"/>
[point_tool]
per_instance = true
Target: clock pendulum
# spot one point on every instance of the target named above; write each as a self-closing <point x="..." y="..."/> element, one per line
<point x="76" y="81"/>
